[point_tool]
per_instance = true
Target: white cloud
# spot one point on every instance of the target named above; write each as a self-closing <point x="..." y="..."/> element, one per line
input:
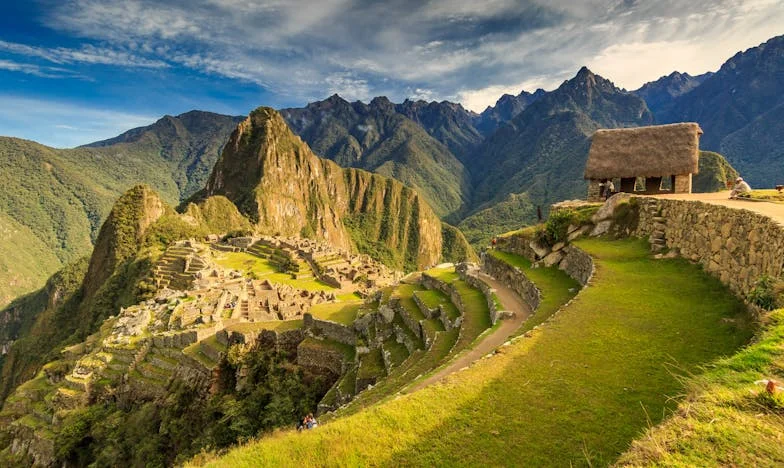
<point x="466" y="49"/>
<point x="87" y="54"/>
<point x="50" y="122"/>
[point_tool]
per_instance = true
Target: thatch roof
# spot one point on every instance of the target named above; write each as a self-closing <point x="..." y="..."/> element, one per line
<point x="655" y="151"/>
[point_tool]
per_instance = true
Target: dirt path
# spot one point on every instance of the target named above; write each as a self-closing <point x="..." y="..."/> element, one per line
<point x="511" y="301"/>
<point x="774" y="211"/>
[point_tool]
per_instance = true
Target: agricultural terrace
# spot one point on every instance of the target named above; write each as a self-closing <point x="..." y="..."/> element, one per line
<point x="574" y="392"/>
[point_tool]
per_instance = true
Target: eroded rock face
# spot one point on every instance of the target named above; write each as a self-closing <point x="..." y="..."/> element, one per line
<point x="277" y="181"/>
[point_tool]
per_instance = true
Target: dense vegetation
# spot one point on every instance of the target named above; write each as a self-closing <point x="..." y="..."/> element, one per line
<point x="54" y="201"/>
<point x="171" y="430"/>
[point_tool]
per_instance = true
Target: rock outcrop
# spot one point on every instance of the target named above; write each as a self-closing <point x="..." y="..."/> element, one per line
<point x="285" y="189"/>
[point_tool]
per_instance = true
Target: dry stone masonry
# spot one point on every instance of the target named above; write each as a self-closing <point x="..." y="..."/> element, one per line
<point x="736" y="246"/>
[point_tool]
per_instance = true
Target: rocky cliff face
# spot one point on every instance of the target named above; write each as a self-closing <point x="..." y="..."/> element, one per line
<point x="378" y="137"/>
<point x="123" y="233"/>
<point x="275" y="179"/>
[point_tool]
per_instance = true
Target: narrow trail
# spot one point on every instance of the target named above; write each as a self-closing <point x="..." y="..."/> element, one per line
<point x="774" y="211"/>
<point x="511" y="301"/>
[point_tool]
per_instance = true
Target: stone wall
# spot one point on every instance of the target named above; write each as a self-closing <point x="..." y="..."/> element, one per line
<point x="433" y="283"/>
<point x="332" y="330"/>
<point x="319" y="358"/>
<point x="518" y="245"/>
<point x="577" y="264"/>
<point x="487" y="290"/>
<point x="286" y="341"/>
<point x="736" y="246"/>
<point x="514" y="278"/>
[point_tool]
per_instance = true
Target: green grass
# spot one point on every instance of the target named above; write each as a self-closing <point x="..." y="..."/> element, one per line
<point x="371" y="365"/>
<point x="264" y="269"/>
<point x="576" y="392"/>
<point x="339" y="312"/>
<point x="195" y="352"/>
<point x="557" y="287"/>
<point x="405" y="292"/>
<point x="727" y="418"/>
<point x="397" y="352"/>
<point x="433" y="299"/>
<point x="330" y="345"/>
<point x="768" y="195"/>
<point x="275" y="325"/>
<point x="447" y="275"/>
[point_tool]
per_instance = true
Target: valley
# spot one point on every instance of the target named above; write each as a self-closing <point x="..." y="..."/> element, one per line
<point x="562" y="279"/>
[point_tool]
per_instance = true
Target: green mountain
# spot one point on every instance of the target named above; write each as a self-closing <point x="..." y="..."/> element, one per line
<point x="506" y="108"/>
<point x="275" y="180"/>
<point x="542" y="151"/>
<point x="54" y="200"/>
<point x="739" y="108"/>
<point x="375" y="137"/>
<point x="78" y="298"/>
<point x="447" y="122"/>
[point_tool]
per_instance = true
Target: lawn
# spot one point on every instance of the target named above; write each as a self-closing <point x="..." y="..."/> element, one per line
<point x="727" y="418"/>
<point x="340" y="312"/>
<point x="263" y="269"/>
<point x="574" y="393"/>
<point x="557" y="287"/>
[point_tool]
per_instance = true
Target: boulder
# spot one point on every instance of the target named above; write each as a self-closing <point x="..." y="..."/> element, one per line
<point x="602" y="228"/>
<point x="606" y="211"/>
<point x="553" y="259"/>
<point x="540" y="250"/>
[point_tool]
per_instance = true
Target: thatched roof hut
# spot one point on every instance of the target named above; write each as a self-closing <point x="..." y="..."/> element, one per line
<point x="655" y="151"/>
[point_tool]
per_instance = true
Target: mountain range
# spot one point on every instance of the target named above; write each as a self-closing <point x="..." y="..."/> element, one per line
<point x="485" y="173"/>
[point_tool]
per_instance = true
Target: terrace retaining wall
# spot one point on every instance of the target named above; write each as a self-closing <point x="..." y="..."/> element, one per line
<point x="514" y="278"/>
<point x="736" y="246"/>
<point x="332" y="330"/>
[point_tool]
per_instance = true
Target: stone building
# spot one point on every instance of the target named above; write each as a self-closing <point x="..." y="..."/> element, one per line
<point x="644" y="160"/>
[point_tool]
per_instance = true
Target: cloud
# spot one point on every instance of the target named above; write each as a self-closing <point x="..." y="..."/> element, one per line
<point x="88" y="53"/>
<point x="50" y="122"/>
<point x="460" y="49"/>
<point x="36" y="70"/>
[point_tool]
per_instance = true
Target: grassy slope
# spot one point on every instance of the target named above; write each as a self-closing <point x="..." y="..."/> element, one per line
<point x="63" y="195"/>
<point x="27" y="261"/>
<point x="727" y="419"/>
<point x="581" y="388"/>
<point x="555" y="285"/>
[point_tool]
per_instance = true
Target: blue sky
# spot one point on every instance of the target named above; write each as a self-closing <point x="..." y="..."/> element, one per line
<point x="76" y="71"/>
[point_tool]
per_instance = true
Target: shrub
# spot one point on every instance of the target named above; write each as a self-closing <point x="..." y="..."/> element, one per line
<point x="767" y="293"/>
<point x="556" y="228"/>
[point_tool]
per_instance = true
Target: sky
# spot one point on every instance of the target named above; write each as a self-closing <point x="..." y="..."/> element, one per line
<point x="77" y="71"/>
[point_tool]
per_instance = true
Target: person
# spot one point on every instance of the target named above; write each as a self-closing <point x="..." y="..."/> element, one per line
<point x="741" y="188"/>
<point x="311" y="421"/>
<point x="609" y="189"/>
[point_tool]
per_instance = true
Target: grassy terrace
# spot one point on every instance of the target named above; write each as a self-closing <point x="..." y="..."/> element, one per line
<point x="330" y="345"/>
<point x="263" y="269"/>
<point x="340" y="312"/>
<point x="432" y="299"/>
<point x="727" y="419"/>
<point x="576" y="392"/>
<point x="275" y="325"/>
<point x="557" y="287"/>
<point x="406" y="294"/>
